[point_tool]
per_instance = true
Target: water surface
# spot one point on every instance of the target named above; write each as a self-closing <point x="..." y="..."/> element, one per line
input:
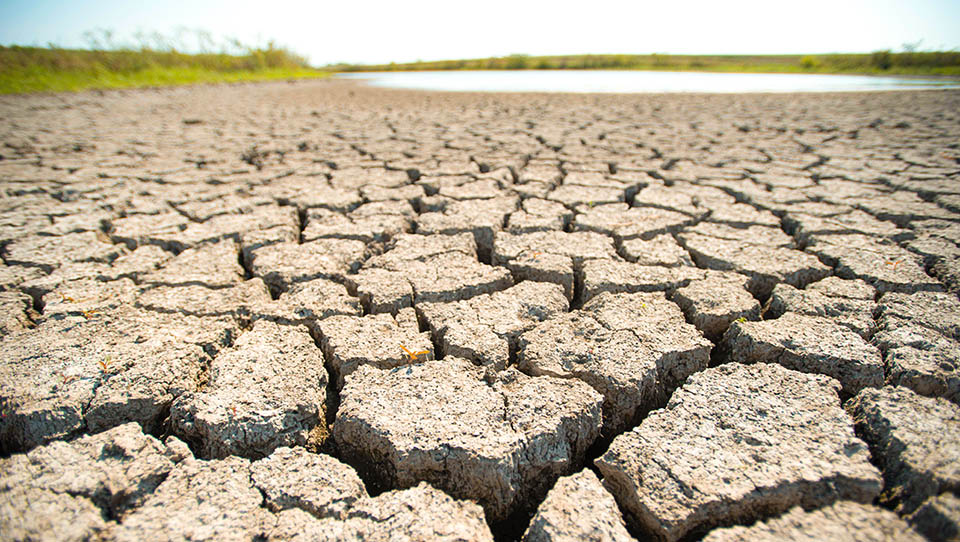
<point x="609" y="81"/>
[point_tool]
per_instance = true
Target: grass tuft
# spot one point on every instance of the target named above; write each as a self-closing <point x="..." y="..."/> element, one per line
<point x="39" y="69"/>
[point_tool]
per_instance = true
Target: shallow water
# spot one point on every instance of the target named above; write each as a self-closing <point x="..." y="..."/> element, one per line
<point x="640" y="81"/>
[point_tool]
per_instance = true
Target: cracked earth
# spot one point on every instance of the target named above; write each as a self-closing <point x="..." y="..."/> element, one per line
<point x="319" y="311"/>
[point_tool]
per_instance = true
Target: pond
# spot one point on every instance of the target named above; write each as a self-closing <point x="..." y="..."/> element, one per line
<point x="608" y="81"/>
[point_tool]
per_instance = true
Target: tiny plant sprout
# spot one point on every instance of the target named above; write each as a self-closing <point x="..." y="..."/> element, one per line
<point x="414" y="356"/>
<point x="742" y="319"/>
<point x="894" y="264"/>
<point x="105" y="363"/>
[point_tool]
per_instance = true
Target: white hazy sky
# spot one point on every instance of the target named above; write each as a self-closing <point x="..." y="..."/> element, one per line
<point x="377" y="32"/>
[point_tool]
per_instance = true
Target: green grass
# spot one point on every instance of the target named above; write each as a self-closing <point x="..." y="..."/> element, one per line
<point x="36" y="69"/>
<point x="878" y="63"/>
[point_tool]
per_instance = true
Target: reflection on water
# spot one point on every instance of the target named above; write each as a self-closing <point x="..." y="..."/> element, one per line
<point x="640" y="81"/>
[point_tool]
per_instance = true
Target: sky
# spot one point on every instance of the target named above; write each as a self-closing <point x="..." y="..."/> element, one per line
<point x="366" y="32"/>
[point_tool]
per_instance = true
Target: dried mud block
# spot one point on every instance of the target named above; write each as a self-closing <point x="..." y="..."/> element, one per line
<point x="914" y="439"/>
<point x="381" y="290"/>
<point x="407" y="248"/>
<point x="634" y="349"/>
<point x="355" y="177"/>
<point x="753" y="235"/>
<point x="371" y="222"/>
<point x="316" y="483"/>
<point x="903" y="208"/>
<point x="237" y="301"/>
<point x="807" y="344"/>
<point x="214" y="265"/>
<point x="538" y="215"/>
<point x="376" y="339"/>
<point x="578" y="508"/>
<point x="673" y="198"/>
<point x="266" y="391"/>
<point x="209" y="500"/>
<point x="309" y="192"/>
<point x="36" y="514"/>
<point x="937" y="311"/>
<point x="623" y="222"/>
<point x="550" y="256"/>
<point x="13" y="312"/>
<point x="843" y="521"/>
<point x="482" y="218"/>
<point x="660" y="250"/>
<point x="74" y="373"/>
<point x="47" y="253"/>
<point x="501" y="443"/>
<point x="598" y="276"/>
<point x="233" y="203"/>
<point x="885" y="266"/>
<point x="418" y="513"/>
<point x="853" y="313"/>
<point x="12" y="276"/>
<point x="712" y="303"/>
<point x="308" y="303"/>
<point x="735" y="444"/>
<point x="804" y="227"/>
<point x="114" y="470"/>
<point x="264" y="224"/>
<point x="765" y="265"/>
<point x="472" y="190"/>
<point x="938" y="518"/>
<point x="410" y="193"/>
<point x="919" y="337"/>
<point x="426" y="268"/>
<point x="740" y="215"/>
<point x="484" y="329"/>
<point x="573" y="195"/>
<point x="136" y="264"/>
<point x="161" y="229"/>
<point x="283" y="264"/>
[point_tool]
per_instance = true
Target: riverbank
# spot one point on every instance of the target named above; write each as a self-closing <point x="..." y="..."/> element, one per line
<point x="944" y="63"/>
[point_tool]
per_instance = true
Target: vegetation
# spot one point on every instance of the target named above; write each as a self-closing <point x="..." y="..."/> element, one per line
<point x="39" y="69"/>
<point x="880" y="62"/>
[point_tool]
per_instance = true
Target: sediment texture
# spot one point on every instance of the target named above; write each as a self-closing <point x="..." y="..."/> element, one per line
<point x="317" y="310"/>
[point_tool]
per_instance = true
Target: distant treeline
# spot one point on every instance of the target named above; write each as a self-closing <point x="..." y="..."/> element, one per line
<point x="880" y="62"/>
<point x="31" y="69"/>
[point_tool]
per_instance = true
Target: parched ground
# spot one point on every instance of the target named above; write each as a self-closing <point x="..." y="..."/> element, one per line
<point x="319" y="311"/>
